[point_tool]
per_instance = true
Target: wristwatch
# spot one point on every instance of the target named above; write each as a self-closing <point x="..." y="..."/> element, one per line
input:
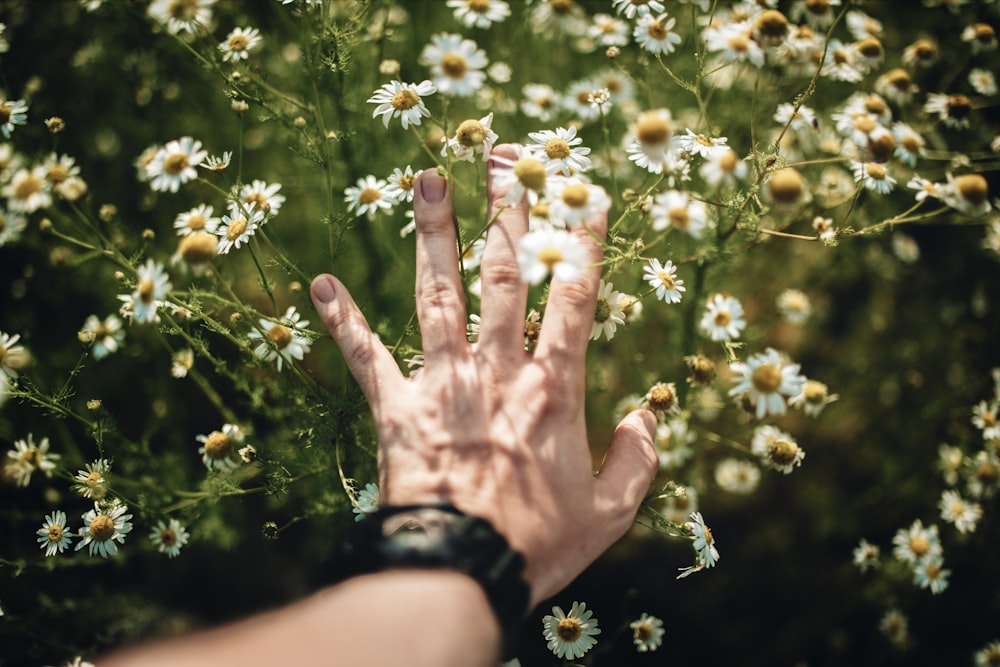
<point x="440" y="536"/>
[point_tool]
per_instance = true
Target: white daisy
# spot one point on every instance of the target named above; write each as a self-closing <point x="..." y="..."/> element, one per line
<point x="105" y="336"/>
<point x="11" y="226"/>
<point x="368" y="197"/>
<point x="909" y="143"/>
<point x="263" y="197"/>
<point x="579" y="100"/>
<point x="794" y="305"/>
<point x="737" y="476"/>
<point x="608" y="30"/>
<point x="168" y="538"/>
<point x="103" y="527"/>
<point x="952" y="110"/>
<point x="282" y="341"/>
<point x="962" y="513"/>
<point x="182" y="15"/>
<point x="929" y="573"/>
<point x="983" y="81"/>
<point x="562" y="147"/>
<point x="640" y="8"/>
<point x="12" y="112"/>
<point x="366" y="502"/>
<point x="9" y="350"/>
<point x="663" y="277"/>
<point x="649" y="146"/>
<point x="678" y="210"/>
<point x="768" y="381"/>
<point x="873" y="176"/>
<point x="656" y="33"/>
<point x="571" y="635"/>
<point x="218" y="447"/>
<point x="53" y="536"/>
<point x="662" y="399"/>
<point x="723" y="318"/>
<point x="776" y="449"/>
<point x="608" y="314"/>
<point x="706" y="553"/>
<point x="524" y="174"/>
<point x="967" y="194"/>
<point x="797" y="119"/>
<point x="986" y="417"/>
<point x="700" y="144"/>
<point x="480" y="13"/>
<point x="573" y="201"/>
<point x="27" y="457"/>
<point x="456" y="64"/>
<point x="198" y="219"/>
<point x="539" y="101"/>
<point x="818" y="14"/>
<point x="723" y="168"/>
<point x="866" y="555"/>
<point x="28" y="190"/>
<point x="733" y="42"/>
<point x="175" y="164"/>
<point x="647" y="633"/>
<point x="924" y="188"/>
<point x="401" y="183"/>
<point x="93" y="481"/>
<point x="402" y="100"/>
<point x="813" y="398"/>
<point x="151" y="289"/>
<point x="550" y="251"/>
<point x="216" y="162"/>
<point x="239" y="43"/>
<point x="471" y="138"/>
<point x="841" y="63"/>
<point x="912" y="544"/>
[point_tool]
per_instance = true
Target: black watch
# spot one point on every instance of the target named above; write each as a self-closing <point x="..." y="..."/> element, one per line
<point x="439" y="536"/>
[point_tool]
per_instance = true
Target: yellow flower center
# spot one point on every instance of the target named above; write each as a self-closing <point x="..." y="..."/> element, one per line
<point x="259" y="201"/>
<point x="406" y="183"/>
<point x="739" y="43"/>
<point x="973" y="188"/>
<point x="57" y="174"/>
<point x="198" y="248"/>
<point x="818" y="7"/>
<point x="454" y="65"/>
<point x="987" y="472"/>
<point x="652" y="129"/>
<point x="183" y="10"/>
<point x="787" y="186"/>
<point x="722" y="318"/>
<point x="218" y="445"/>
<point x="815" y="392"/>
<point x="666" y="279"/>
<point x="102" y="527"/>
<point x="919" y="545"/>
<point x="369" y="196"/>
<point x="531" y="173"/>
<point x="728" y="162"/>
<point x="869" y="47"/>
<point x="783" y="452"/>
<point x="471" y="133"/>
<point x="239" y="43"/>
<point x="958" y="509"/>
<point x="168" y="537"/>
<point x="5" y="110"/>
<point x="924" y="50"/>
<point x="176" y="163"/>
<point x="958" y="106"/>
<point x="561" y="6"/>
<point x="557" y="149"/>
<point x="657" y="30"/>
<point x="236" y="228"/>
<point x="603" y="311"/>
<point x="27" y="187"/>
<point x="662" y="398"/>
<point x="146" y="290"/>
<point x="772" y="25"/>
<point x="405" y="99"/>
<point x="642" y="632"/>
<point x="865" y="124"/>
<point x="550" y="257"/>
<point x="766" y="378"/>
<point x="478" y="6"/>
<point x="55" y="532"/>
<point x="280" y="335"/>
<point x="679" y="217"/>
<point x="709" y="538"/>
<point x="94" y="478"/>
<point x="575" y="195"/>
<point x="875" y="171"/>
<point x="569" y="630"/>
<point x="196" y="221"/>
<point x="540" y="210"/>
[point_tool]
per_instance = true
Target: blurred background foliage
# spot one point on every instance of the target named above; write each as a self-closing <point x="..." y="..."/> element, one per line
<point x="907" y="340"/>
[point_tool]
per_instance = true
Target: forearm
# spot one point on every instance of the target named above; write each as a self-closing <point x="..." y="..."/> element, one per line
<point x="412" y="617"/>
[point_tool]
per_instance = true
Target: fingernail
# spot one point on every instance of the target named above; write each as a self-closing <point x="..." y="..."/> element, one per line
<point x="650" y="421"/>
<point x="432" y="187"/>
<point x="323" y="289"/>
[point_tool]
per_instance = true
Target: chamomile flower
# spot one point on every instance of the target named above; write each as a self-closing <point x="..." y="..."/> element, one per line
<point x="103" y="527"/>
<point x="656" y="33"/>
<point x="368" y="197"/>
<point x="897" y="86"/>
<point x="647" y="633"/>
<point x="402" y="100"/>
<point x="650" y="146"/>
<point x="917" y="542"/>
<point x="9" y="350"/>
<point x="679" y="210"/>
<point x="608" y="30"/>
<point x="182" y="15"/>
<point x="924" y="188"/>
<point x="561" y="147"/>
<point x="217" y="162"/>
<point x="169" y="537"/>
<point x="262" y="196"/>
<point x="968" y="194"/>
<point x="480" y="13"/>
<point x="929" y="572"/>
<point x="633" y="8"/>
<point x="608" y="315"/>
<point x="797" y="119"/>
<point x="93" y="481"/>
<point x="980" y="36"/>
<point x="701" y="145"/>
<point x="961" y="513"/>
<point x="706" y="553"/>
<point x="570" y="636"/>
<point x="524" y="174"/>
<point x="909" y="143"/>
<point x="539" y="101"/>
<point x="53" y="536"/>
<point x="239" y="43"/>
<point x="989" y="655"/>
<point x="198" y="219"/>
<point x="794" y="305"/>
<point x="105" y="336"/>
<point x="723" y="168"/>
<point x="151" y="288"/>
<point x="473" y="137"/>
<point x="401" y="183"/>
<point x="873" y="176"/>
<point x="662" y="399"/>
<point x="674" y="436"/>
<point x="768" y="382"/>
<point x="663" y="277"/>
<point x="11" y="226"/>
<point x="28" y="190"/>
<point x="12" y="113"/>
<point x="818" y="14"/>
<point x="456" y="64"/>
<point x="552" y="251"/>
<point x="866" y="555"/>
<point x="737" y="476"/>
<point x="951" y="110"/>
<point x="218" y="447"/>
<point x="733" y="42"/>
<point x="282" y="341"/>
<point x="813" y="398"/>
<point x="983" y="81"/>
<point x="573" y="201"/>
<point x="723" y="318"/>
<point x="776" y="449"/>
<point x="986" y="417"/>
<point x="27" y="457"/>
<point x="175" y="164"/>
<point x="366" y="501"/>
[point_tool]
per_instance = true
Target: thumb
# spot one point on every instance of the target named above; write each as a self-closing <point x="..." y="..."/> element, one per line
<point x="628" y="468"/>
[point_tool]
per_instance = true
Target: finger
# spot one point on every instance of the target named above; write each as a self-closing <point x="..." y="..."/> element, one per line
<point x="627" y="471"/>
<point x="504" y="293"/>
<point x="569" y="313"/>
<point x="369" y="361"/>
<point x="440" y="296"/>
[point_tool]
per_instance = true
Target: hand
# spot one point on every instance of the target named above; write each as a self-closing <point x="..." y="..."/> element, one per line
<point x="490" y="427"/>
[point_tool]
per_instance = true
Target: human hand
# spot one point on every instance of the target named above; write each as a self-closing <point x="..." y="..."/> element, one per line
<point x="494" y="429"/>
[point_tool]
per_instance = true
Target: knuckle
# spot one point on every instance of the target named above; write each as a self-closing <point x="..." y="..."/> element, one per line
<point x="577" y="294"/>
<point x="500" y="271"/>
<point x="438" y="294"/>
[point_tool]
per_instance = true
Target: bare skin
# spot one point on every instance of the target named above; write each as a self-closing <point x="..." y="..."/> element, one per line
<point x="495" y="430"/>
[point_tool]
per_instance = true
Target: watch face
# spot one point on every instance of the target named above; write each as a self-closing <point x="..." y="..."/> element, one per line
<point x="419" y="526"/>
